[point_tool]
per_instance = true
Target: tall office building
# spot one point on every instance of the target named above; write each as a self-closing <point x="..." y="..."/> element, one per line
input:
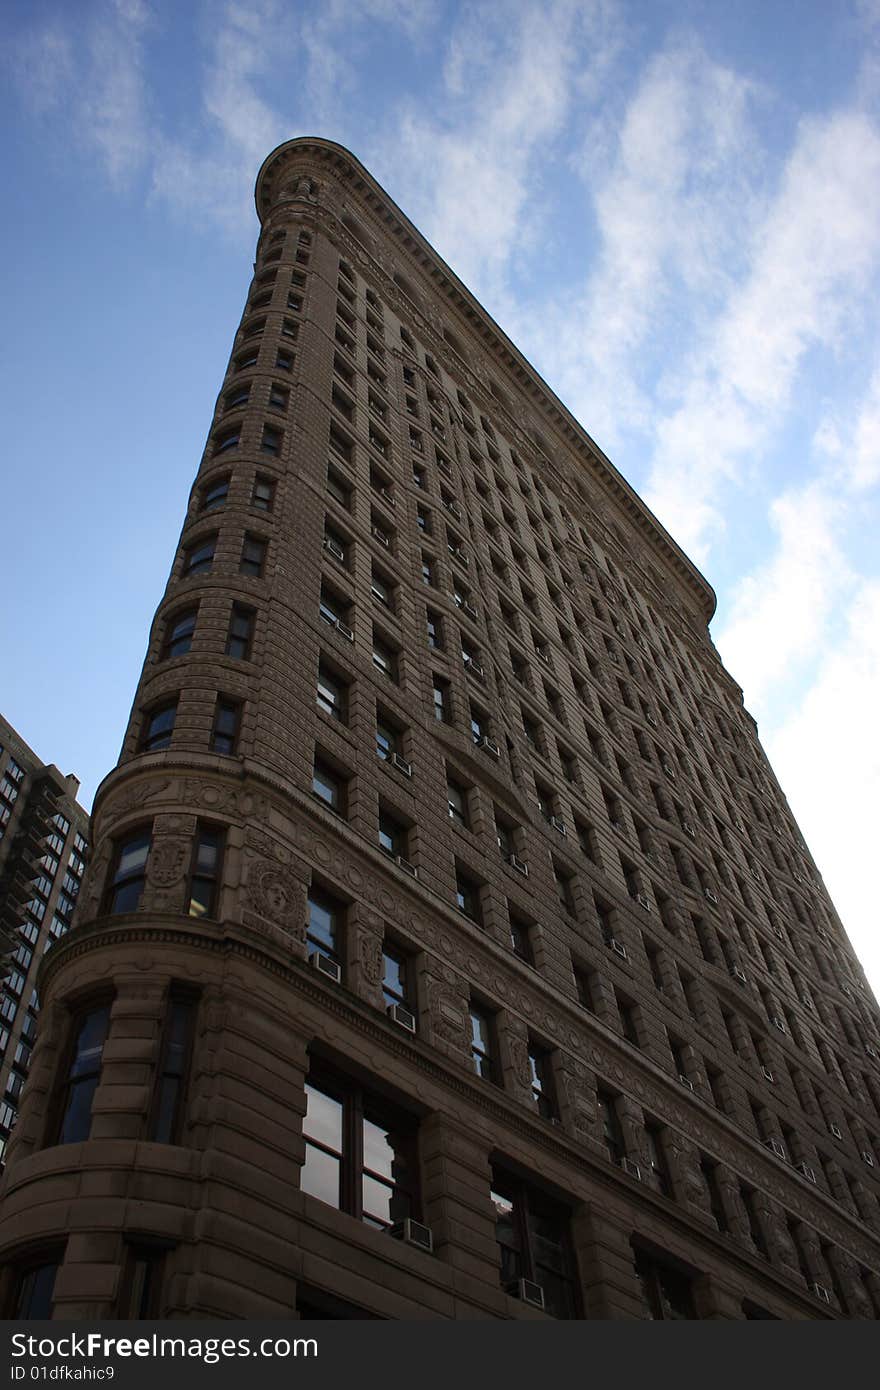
<point x="43" y="846"/>
<point x="449" y="949"/>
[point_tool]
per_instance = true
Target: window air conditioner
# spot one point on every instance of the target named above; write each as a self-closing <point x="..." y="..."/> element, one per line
<point x="407" y="867"/>
<point x="413" y="1233"/>
<point x="490" y="746"/>
<point x="518" y="864"/>
<point x="820" y="1291"/>
<point x="738" y="974"/>
<point x="325" y="965"/>
<point x="775" y="1146"/>
<point x="631" y="1168"/>
<point x="403" y="1017"/>
<point x="806" y="1172"/>
<point x="335" y="550"/>
<point x="767" y="1073"/>
<point x="685" y="1081"/>
<point x="643" y="902"/>
<point x="401" y="764"/>
<point x="711" y="896"/>
<point x="618" y="947"/>
<point x="527" y="1291"/>
<point x="344" y="631"/>
<point x="558" y="824"/>
<point x="836" y="1131"/>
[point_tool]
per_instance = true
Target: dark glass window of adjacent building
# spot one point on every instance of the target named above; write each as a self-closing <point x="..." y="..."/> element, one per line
<point x="83" y="1074"/>
<point x="165" y="1121"/>
<point x="224" y="732"/>
<point x="241" y="632"/>
<point x="158" y="726"/>
<point x="666" y="1291"/>
<point x="360" y="1151"/>
<point x="179" y="631"/>
<point x="126" y="882"/>
<point x="532" y="1234"/>
<point x="204" y="879"/>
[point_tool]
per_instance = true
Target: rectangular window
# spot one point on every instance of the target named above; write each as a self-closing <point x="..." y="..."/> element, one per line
<point x="533" y="1242"/>
<point x="128" y="871"/>
<point x="667" y="1293"/>
<point x="224" y="731"/>
<point x="360" y="1151"/>
<point x="332" y="694"/>
<point x="329" y="786"/>
<point x="385" y="658"/>
<point x="612" y="1131"/>
<point x="205" y="871"/>
<point x="392" y="835"/>
<point x="179" y="630"/>
<point x="457" y="801"/>
<point x="199" y="557"/>
<point x="263" y="495"/>
<point x="435" y="630"/>
<point x="396" y="984"/>
<point x="89" y="1032"/>
<point x="541" y="1081"/>
<point x="166" y="1120"/>
<point x="253" y="555"/>
<point x="467" y="896"/>
<point x="326" y="924"/>
<point x="241" y="632"/>
<point x="34" y="1291"/>
<point x="442" y="701"/>
<point x="483" y="1048"/>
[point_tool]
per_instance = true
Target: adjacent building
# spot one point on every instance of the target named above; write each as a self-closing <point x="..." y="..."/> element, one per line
<point x="448" y="948"/>
<point x="43" y="848"/>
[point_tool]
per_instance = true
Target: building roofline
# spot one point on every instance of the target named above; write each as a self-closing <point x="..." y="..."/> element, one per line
<point x="457" y="291"/>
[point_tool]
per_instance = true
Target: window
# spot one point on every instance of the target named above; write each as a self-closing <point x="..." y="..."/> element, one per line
<point x="214" y="494"/>
<point x="241" y="631"/>
<point x="387" y="738"/>
<point x="284" y="360"/>
<point x="442" y="701"/>
<point x="205" y="871"/>
<point x="253" y="554"/>
<point x="333" y="608"/>
<point x="332" y="694"/>
<point x="224" y="731"/>
<point x="467" y="896"/>
<point x="383" y="590"/>
<point x="457" y="801"/>
<point x="385" y="658"/>
<point x="666" y="1291"/>
<point x="396" y="984"/>
<point x="657" y="1158"/>
<point x="483" y="1046"/>
<point x="325" y="926"/>
<point x="435" y="630"/>
<point x="33" y="1292"/>
<point x="360" y="1151"/>
<point x="612" y="1131"/>
<point x="89" y="1032"/>
<point x="227" y="439"/>
<point x="263" y="495"/>
<point x="541" y="1081"/>
<point x="532" y="1234"/>
<point x="167" y="1113"/>
<point x="179" y="629"/>
<point x="521" y="938"/>
<point x="128" y="871"/>
<point x="339" y="489"/>
<point x="199" y="557"/>
<point x="392" y="835"/>
<point x="329" y="786"/>
<point x="141" y="1284"/>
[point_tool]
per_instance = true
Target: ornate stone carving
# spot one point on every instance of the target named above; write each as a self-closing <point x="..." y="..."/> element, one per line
<point x="167" y="861"/>
<point x="274" y="894"/>
<point x="370" y="951"/>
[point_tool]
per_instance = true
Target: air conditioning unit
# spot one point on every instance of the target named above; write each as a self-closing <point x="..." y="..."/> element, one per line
<point x="868" y="1158"/>
<point x="806" y="1172"/>
<point x="806" y="1001"/>
<point x="632" y="1168"/>
<point x="618" y="947"/>
<point x="778" y="1023"/>
<point x="413" y="1233"/>
<point x="474" y="667"/>
<point x="489" y="746"/>
<point x="326" y="965"/>
<point x="518" y="864"/>
<point x="404" y="1018"/>
<point x="836" y="1131"/>
<point x="870" y="1049"/>
<point x="738" y="974"/>
<point x="651" y="720"/>
<point x="685" y="1081"/>
<point x="527" y="1291"/>
<point x="619" y="826"/>
<point x="344" y="631"/>
<point x="711" y="896"/>
<point x="643" y="902"/>
<point x="767" y="1073"/>
<point x="383" y="492"/>
<point x="558" y="825"/>
<point x="407" y="867"/>
<point x="378" y="534"/>
<point x="688" y="829"/>
<point x="335" y="550"/>
<point x="469" y="609"/>
<point x="669" y="770"/>
<point x="775" y="1146"/>
<point x="820" y="1291"/>
<point x="401" y="764"/>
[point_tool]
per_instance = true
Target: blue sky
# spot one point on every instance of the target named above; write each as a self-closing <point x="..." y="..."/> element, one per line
<point x="672" y="208"/>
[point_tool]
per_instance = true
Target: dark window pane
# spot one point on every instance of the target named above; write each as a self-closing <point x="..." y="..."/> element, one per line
<point x="35" y="1292"/>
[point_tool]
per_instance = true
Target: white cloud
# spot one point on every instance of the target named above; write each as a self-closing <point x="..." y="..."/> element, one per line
<point x="827" y="757"/>
<point x="811" y="261"/>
